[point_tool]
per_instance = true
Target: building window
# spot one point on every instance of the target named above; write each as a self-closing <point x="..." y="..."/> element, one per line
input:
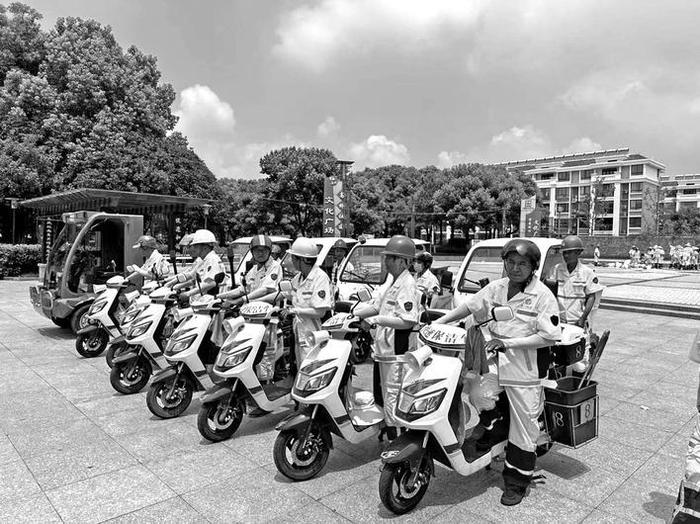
<point x="635" y="222"/>
<point x="624" y="206"/>
<point x="636" y="187"/>
<point x="635" y="204"/>
<point x="586" y="174"/>
<point x="623" y="225"/>
<point x="562" y="208"/>
<point x="624" y="191"/>
<point x="564" y="177"/>
<point x="583" y="191"/>
<point x="689" y="191"/>
<point x="546" y="176"/>
<point x="609" y="171"/>
<point x="607" y="207"/>
<point x="562" y="194"/>
<point x="604" y="224"/>
<point x="638" y="170"/>
<point x="546" y="193"/>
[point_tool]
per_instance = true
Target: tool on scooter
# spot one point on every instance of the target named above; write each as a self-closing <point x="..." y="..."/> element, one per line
<point x="198" y="280"/>
<point x="173" y="260"/>
<point x="482" y="282"/>
<point x="229" y="255"/>
<point x="595" y="359"/>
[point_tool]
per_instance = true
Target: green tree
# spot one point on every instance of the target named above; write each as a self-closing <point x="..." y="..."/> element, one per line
<point x="296" y="177"/>
<point x="685" y="222"/>
<point x="78" y="111"/>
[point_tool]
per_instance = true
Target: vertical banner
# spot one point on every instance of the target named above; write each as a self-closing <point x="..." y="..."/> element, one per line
<point x="333" y="206"/>
<point x="527" y="206"/>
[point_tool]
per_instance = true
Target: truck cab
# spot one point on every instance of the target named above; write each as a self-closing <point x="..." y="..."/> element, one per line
<point x="90" y="248"/>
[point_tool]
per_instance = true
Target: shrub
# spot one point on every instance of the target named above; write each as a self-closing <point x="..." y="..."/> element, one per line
<point x="16" y="259"/>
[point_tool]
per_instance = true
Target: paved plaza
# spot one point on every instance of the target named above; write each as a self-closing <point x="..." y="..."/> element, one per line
<point x="73" y="450"/>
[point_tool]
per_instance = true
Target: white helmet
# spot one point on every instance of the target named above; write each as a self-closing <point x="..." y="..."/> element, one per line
<point x="203" y="236"/>
<point x="303" y="247"/>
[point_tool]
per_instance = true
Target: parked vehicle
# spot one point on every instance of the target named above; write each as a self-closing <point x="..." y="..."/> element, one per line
<point x="254" y="366"/>
<point x="145" y="340"/>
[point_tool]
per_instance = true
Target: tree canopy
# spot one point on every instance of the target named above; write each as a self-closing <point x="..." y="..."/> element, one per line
<point x="76" y="110"/>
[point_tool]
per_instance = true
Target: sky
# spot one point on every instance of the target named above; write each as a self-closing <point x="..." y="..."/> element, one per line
<point x="417" y="83"/>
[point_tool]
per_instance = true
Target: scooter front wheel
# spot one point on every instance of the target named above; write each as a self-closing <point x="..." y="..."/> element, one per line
<point x="395" y="489"/>
<point x="92" y="344"/>
<point x="130" y="377"/>
<point x="218" y="421"/>
<point x="114" y="351"/>
<point x="299" y="462"/>
<point x="169" y="399"/>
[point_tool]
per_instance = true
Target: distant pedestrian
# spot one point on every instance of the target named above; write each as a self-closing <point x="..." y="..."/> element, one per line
<point x="596" y="255"/>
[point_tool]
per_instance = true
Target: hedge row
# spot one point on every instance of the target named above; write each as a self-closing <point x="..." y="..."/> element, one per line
<point x="16" y="259"/>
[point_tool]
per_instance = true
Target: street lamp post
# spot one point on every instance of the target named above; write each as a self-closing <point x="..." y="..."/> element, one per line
<point x="14" y="204"/>
<point x="205" y="210"/>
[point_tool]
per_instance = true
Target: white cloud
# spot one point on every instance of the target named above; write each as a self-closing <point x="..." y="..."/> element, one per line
<point x="516" y="143"/>
<point x="378" y="151"/>
<point x="202" y="114"/>
<point x="328" y="128"/>
<point x="313" y="35"/>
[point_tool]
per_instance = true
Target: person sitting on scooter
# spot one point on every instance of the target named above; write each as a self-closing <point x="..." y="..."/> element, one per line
<point x="156" y="265"/>
<point x="426" y="280"/>
<point x="394" y="313"/>
<point x="311" y="295"/>
<point x="263" y="277"/>
<point x="535" y="324"/>
<point x="211" y="270"/>
<point x="578" y="290"/>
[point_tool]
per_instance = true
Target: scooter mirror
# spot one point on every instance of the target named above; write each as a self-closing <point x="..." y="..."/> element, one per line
<point x="501" y="313"/>
<point x="131" y="295"/>
<point x="363" y="295"/>
<point x="285" y="286"/>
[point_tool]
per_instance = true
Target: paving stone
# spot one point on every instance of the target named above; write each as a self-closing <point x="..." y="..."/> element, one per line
<point x="640" y="502"/>
<point x="256" y="447"/>
<point x="608" y="455"/>
<point x="8" y="453"/>
<point x="190" y="470"/>
<point x="104" y="406"/>
<point x="16" y="481"/>
<point x="312" y="513"/>
<point x="625" y="432"/>
<point x="171" y="510"/>
<point x="132" y="420"/>
<point x="55" y="439"/>
<point x="108" y="496"/>
<point x="650" y="416"/>
<point x="600" y="517"/>
<point x="247" y="498"/>
<point x="35" y="508"/>
<point x="89" y="459"/>
<point x="159" y="442"/>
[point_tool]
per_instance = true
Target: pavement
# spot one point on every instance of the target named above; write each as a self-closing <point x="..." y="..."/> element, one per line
<point x="73" y="450"/>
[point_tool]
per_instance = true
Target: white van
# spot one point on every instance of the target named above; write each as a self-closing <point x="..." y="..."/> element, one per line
<point x="363" y="268"/>
<point x="483" y="261"/>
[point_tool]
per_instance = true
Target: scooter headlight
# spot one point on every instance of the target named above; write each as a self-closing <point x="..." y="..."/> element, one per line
<point x="410" y="407"/>
<point x="139" y="329"/>
<point x="177" y="345"/>
<point x="307" y="384"/>
<point x="97" y="306"/>
<point x="235" y="358"/>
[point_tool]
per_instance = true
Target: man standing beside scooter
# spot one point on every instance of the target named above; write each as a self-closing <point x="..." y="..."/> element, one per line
<point x="516" y="342"/>
<point x="311" y="296"/>
<point x="426" y="280"/>
<point x="394" y="313"/>
<point x="578" y="290"/>
<point x="156" y="265"/>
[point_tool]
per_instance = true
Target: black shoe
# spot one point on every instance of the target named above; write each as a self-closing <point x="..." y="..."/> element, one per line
<point x="258" y="412"/>
<point x="389" y="432"/>
<point x="513" y="495"/>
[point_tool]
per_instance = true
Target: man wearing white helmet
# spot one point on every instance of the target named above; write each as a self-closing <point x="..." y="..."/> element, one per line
<point x="211" y="270"/>
<point x="263" y="277"/>
<point x="156" y="265"/>
<point x="311" y="295"/>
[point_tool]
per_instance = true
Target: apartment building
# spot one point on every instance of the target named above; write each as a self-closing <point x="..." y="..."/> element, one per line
<point x="680" y="192"/>
<point x="611" y="192"/>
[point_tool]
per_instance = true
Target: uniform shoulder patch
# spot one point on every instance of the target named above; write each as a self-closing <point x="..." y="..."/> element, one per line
<point x="322" y="293"/>
<point x="555" y="320"/>
<point x="273" y="276"/>
<point x="408" y="306"/>
<point x="595" y="280"/>
<point x="209" y="268"/>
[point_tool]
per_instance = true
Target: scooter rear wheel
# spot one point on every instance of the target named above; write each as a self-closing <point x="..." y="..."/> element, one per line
<point x="394" y="491"/>
<point x="218" y="421"/>
<point x="164" y="405"/>
<point x="130" y="377"/>
<point x="301" y="464"/>
<point x="92" y="344"/>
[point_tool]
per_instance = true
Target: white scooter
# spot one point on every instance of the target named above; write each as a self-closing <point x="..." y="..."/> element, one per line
<point x="145" y="339"/>
<point x="104" y="317"/>
<point x="331" y="405"/>
<point x="253" y="348"/>
<point x="429" y="405"/>
<point x="188" y="353"/>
